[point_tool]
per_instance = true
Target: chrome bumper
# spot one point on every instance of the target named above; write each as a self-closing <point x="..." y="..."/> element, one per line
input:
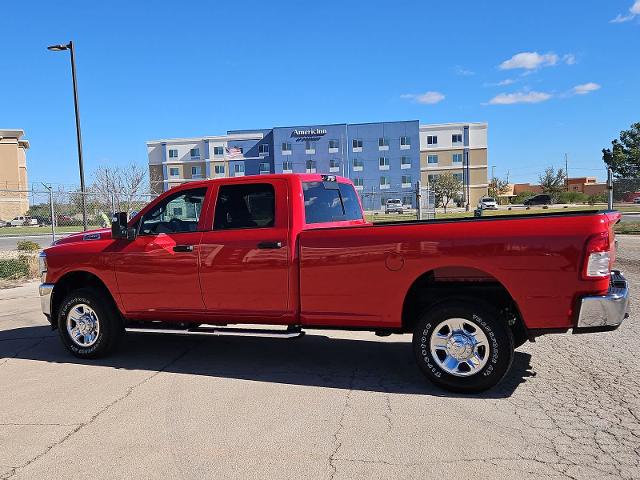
<point x="606" y="311"/>
<point x="46" y="289"/>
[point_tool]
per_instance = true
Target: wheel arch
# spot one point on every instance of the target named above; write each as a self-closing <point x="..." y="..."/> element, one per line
<point x="72" y="281"/>
<point x="460" y="282"/>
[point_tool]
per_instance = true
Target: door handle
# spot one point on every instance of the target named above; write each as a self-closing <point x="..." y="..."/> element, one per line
<point x="183" y="248"/>
<point x="269" y="245"/>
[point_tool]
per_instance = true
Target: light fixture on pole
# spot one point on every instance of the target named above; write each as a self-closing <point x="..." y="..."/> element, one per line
<point x="60" y="48"/>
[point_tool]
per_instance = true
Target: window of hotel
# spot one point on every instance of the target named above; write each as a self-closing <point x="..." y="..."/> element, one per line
<point x="287" y="166"/>
<point x="311" y="166"/>
<point x="358" y="164"/>
<point x="263" y="149"/>
<point x="286" y="147"/>
<point x="334" y="165"/>
<point x="357" y="143"/>
<point x="456" y="138"/>
<point x="384" y="182"/>
<point x="383" y="163"/>
<point x="333" y="145"/>
<point x="383" y="142"/>
<point x="457" y="176"/>
<point x="265" y="167"/>
<point x="196" y="172"/>
<point x="405" y="162"/>
<point x="432" y="158"/>
<point x="173" y="153"/>
<point x="174" y="172"/>
<point x="432" y="178"/>
<point x="432" y="139"/>
<point x="218" y="150"/>
<point x="218" y="169"/>
<point x="195" y="153"/>
<point x="457" y="158"/>
<point x="309" y="146"/>
<point x="358" y="182"/>
<point x="406" y="181"/>
<point x="238" y="168"/>
<point x="405" y="141"/>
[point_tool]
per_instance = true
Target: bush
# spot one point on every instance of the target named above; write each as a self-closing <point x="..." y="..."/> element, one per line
<point x="28" y="246"/>
<point x="522" y="196"/>
<point x="14" y="268"/>
<point x="598" y="198"/>
<point x="571" y="197"/>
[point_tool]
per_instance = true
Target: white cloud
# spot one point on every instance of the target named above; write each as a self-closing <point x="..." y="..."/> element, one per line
<point x="634" y="11"/>
<point x="427" y="98"/>
<point x="585" y="88"/>
<point x="520" y="97"/>
<point x="530" y="61"/>
<point x="463" y="71"/>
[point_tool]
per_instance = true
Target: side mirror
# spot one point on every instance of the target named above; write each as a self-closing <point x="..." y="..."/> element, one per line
<point x="119" y="227"/>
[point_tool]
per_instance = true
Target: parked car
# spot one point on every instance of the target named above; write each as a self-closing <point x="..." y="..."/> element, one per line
<point x="393" y="205"/>
<point x="636" y="200"/>
<point x="488" y="203"/>
<point x="295" y="251"/>
<point x="4" y="224"/>
<point x="24" y="221"/>
<point x="541" y="199"/>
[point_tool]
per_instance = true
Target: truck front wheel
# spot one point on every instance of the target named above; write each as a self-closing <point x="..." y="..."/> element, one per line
<point x="463" y="346"/>
<point x="89" y="324"/>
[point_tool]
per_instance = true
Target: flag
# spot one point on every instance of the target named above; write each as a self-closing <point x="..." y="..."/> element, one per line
<point x="233" y="152"/>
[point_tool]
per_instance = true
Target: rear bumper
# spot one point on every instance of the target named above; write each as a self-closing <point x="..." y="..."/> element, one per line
<point x="605" y="312"/>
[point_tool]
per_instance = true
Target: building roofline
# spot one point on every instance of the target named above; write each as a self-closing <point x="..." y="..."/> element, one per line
<point x="217" y="138"/>
<point x="453" y="124"/>
<point x="14" y="134"/>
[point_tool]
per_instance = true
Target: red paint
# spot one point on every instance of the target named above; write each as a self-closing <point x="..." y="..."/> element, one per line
<point x="340" y="274"/>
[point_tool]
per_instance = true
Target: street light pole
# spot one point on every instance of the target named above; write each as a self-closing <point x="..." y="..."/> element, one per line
<point x="83" y="193"/>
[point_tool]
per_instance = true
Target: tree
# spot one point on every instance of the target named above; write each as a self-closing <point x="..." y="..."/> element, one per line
<point x="553" y="182"/>
<point x="624" y="155"/>
<point x="446" y="187"/>
<point x="118" y="188"/>
<point x="497" y="187"/>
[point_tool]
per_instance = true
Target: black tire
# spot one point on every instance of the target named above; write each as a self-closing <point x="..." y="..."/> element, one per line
<point x="476" y="314"/>
<point x="111" y="327"/>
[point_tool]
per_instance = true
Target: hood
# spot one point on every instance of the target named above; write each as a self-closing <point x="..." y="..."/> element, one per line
<point x="89" y="235"/>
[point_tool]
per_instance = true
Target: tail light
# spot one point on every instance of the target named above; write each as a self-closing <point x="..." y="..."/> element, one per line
<point x="598" y="257"/>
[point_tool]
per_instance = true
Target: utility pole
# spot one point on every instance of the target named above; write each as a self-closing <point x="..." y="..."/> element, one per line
<point x="52" y="213"/>
<point x="610" y="188"/>
<point x="507" y="176"/>
<point x="566" y="171"/>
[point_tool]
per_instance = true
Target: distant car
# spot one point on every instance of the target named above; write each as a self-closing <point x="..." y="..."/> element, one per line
<point x="393" y="205"/>
<point x="488" y="203"/>
<point x="542" y="199"/>
<point x="636" y="200"/>
<point x="4" y="224"/>
<point x="24" y="221"/>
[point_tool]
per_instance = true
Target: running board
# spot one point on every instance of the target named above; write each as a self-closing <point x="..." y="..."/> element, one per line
<point x="216" y="331"/>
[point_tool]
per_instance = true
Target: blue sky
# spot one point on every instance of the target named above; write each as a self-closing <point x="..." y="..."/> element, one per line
<point x="550" y="77"/>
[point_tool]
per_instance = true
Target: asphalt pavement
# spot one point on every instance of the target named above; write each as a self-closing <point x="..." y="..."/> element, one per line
<point x="11" y="242"/>
<point x="329" y="405"/>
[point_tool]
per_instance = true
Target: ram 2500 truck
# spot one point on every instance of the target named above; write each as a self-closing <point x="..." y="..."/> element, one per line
<point x="296" y="251"/>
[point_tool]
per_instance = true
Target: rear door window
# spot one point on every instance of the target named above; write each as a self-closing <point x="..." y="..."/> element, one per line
<point x="330" y="202"/>
<point x="251" y="205"/>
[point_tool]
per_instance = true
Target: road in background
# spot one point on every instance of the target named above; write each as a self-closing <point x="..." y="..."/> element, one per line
<point x="10" y="243"/>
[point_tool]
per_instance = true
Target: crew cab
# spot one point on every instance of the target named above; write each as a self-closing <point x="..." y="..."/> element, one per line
<point x="295" y="252"/>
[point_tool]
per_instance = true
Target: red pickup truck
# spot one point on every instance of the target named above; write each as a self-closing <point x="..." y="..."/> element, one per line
<point x="295" y="251"/>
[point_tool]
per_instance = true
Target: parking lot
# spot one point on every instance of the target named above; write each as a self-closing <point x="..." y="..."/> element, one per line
<point x="333" y="405"/>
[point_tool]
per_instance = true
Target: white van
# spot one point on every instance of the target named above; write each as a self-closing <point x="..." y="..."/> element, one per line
<point x="23" y="221"/>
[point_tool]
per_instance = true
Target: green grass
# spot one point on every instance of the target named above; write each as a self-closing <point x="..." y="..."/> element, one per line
<point x="17" y="231"/>
<point x="628" y="228"/>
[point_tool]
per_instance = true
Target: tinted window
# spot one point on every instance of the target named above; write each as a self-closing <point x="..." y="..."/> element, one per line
<point x="245" y="206"/>
<point x="176" y="213"/>
<point x="330" y="204"/>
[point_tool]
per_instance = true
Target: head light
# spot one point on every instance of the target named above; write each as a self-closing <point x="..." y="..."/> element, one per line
<point x="42" y="266"/>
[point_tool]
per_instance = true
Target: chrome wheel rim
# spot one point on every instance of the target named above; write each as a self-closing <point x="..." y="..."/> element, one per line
<point x="459" y="347"/>
<point x="83" y="325"/>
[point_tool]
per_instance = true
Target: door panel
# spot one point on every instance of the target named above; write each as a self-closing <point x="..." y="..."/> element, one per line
<point x="245" y="259"/>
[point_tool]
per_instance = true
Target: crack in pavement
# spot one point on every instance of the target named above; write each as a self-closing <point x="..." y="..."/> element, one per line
<point x="80" y="426"/>
<point x="337" y="443"/>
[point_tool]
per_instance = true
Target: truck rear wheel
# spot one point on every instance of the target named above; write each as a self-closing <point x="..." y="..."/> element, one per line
<point x="89" y="324"/>
<point x="463" y="346"/>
